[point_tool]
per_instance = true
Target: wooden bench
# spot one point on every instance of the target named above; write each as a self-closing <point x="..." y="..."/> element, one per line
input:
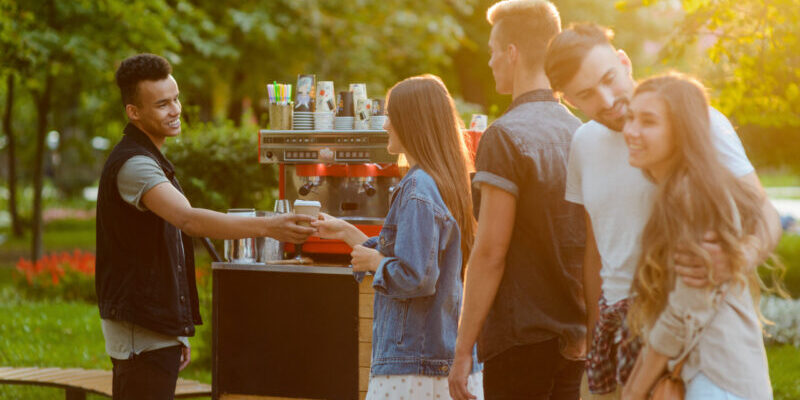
<point x="78" y="382"/>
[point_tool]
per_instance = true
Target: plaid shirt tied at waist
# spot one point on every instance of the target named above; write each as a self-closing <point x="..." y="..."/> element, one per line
<point x="614" y="349"/>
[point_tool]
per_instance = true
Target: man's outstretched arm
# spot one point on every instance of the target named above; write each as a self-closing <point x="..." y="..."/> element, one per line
<point x="171" y="205"/>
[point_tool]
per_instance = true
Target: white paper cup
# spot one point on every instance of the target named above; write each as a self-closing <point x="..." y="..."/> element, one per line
<point x="307" y="207"/>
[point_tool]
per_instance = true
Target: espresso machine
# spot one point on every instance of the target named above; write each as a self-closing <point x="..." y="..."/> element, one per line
<point x="349" y="172"/>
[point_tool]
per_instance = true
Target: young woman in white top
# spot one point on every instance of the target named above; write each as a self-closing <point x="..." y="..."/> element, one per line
<point x="715" y="329"/>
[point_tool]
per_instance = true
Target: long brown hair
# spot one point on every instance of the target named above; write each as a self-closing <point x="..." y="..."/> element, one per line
<point x="424" y="116"/>
<point x="698" y="194"/>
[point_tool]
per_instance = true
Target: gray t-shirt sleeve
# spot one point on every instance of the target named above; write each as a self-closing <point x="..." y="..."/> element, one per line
<point x="729" y="146"/>
<point x="138" y="175"/>
<point x="497" y="162"/>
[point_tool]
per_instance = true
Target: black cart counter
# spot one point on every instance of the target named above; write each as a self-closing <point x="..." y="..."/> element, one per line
<point x="290" y="331"/>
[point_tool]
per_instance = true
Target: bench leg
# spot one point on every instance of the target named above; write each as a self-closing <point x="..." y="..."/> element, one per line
<point x="75" y="394"/>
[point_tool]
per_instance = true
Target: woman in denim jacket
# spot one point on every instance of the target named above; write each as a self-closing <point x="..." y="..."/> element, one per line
<point x="417" y="260"/>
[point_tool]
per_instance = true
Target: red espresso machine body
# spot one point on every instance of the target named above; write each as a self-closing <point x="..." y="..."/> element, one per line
<point x="350" y="173"/>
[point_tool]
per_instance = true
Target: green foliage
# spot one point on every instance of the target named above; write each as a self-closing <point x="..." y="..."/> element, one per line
<point x="217" y="165"/>
<point x="753" y="50"/>
<point x="776" y="148"/>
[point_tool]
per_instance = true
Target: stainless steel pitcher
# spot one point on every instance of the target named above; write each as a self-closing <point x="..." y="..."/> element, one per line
<point x="241" y="250"/>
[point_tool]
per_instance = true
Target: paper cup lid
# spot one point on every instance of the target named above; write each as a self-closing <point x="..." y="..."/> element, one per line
<point x="307" y="203"/>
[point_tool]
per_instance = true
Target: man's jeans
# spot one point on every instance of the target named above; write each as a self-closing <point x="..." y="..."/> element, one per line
<point x="151" y="375"/>
<point x="532" y="372"/>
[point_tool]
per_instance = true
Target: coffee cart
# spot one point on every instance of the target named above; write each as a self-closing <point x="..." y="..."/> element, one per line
<point x="305" y="331"/>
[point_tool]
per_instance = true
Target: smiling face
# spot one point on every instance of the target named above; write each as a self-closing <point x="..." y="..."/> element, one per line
<point x="648" y="134"/>
<point x="157" y="109"/>
<point x="602" y="86"/>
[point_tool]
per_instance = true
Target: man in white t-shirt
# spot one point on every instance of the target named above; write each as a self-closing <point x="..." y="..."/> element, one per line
<point x="593" y="76"/>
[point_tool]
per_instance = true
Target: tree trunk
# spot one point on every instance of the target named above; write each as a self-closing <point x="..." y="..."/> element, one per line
<point x="16" y="225"/>
<point x="235" y="103"/>
<point x="43" y="110"/>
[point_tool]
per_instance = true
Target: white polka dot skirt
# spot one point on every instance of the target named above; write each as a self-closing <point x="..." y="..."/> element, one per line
<point x="418" y="387"/>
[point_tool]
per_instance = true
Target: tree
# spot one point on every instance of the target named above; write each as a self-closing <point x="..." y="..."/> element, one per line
<point x="16" y="226"/>
<point x="8" y="44"/>
<point x="339" y="40"/>
<point x="754" y="51"/>
<point x="63" y="39"/>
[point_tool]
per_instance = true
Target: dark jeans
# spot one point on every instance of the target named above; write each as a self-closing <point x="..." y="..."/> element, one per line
<point x="532" y="372"/>
<point x="151" y="375"/>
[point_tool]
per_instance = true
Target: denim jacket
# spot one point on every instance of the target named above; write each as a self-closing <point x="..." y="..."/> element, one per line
<point x="418" y="283"/>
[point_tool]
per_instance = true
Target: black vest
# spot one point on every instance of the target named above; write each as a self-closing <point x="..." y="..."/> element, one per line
<point x="142" y="275"/>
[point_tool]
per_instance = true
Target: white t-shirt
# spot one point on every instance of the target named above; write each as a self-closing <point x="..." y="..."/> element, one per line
<point x="619" y="198"/>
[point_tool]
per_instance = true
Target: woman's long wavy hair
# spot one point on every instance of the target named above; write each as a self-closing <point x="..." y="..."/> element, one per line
<point x="424" y="116"/>
<point x="699" y="194"/>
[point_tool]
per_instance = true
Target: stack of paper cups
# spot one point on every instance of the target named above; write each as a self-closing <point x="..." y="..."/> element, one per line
<point x="323" y="121"/>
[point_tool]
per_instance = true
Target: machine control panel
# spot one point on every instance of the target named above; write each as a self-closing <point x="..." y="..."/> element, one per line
<point x="342" y="147"/>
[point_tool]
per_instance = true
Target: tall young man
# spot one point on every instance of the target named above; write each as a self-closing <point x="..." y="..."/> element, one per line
<point x="523" y="297"/>
<point x="145" y="260"/>
<point x="597" y="79"/>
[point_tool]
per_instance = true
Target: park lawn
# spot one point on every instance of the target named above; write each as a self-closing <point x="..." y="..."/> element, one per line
<point x="68" y="334"/>
<point x="42" y="333"/>
<point x="784" y="371"/>
<point x="62" y="334"/>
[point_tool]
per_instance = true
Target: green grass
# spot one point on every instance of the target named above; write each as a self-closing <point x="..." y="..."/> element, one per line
<point x="47" y="334"/>
<point x="61" y="334"/>
<point x="64" y="334"/>
<point x="784" y="371"/>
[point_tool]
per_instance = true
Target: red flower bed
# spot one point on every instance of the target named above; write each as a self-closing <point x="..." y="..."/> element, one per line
<point x="63" y="276"/>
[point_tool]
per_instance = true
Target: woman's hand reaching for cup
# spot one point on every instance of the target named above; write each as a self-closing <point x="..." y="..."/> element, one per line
<point x="329" y="227"/>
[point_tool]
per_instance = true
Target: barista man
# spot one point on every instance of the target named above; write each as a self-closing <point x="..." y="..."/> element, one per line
<point x="145" y="278"/>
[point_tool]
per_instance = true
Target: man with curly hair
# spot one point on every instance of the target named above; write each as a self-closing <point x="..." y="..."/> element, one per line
<point x="145" y="277"/>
